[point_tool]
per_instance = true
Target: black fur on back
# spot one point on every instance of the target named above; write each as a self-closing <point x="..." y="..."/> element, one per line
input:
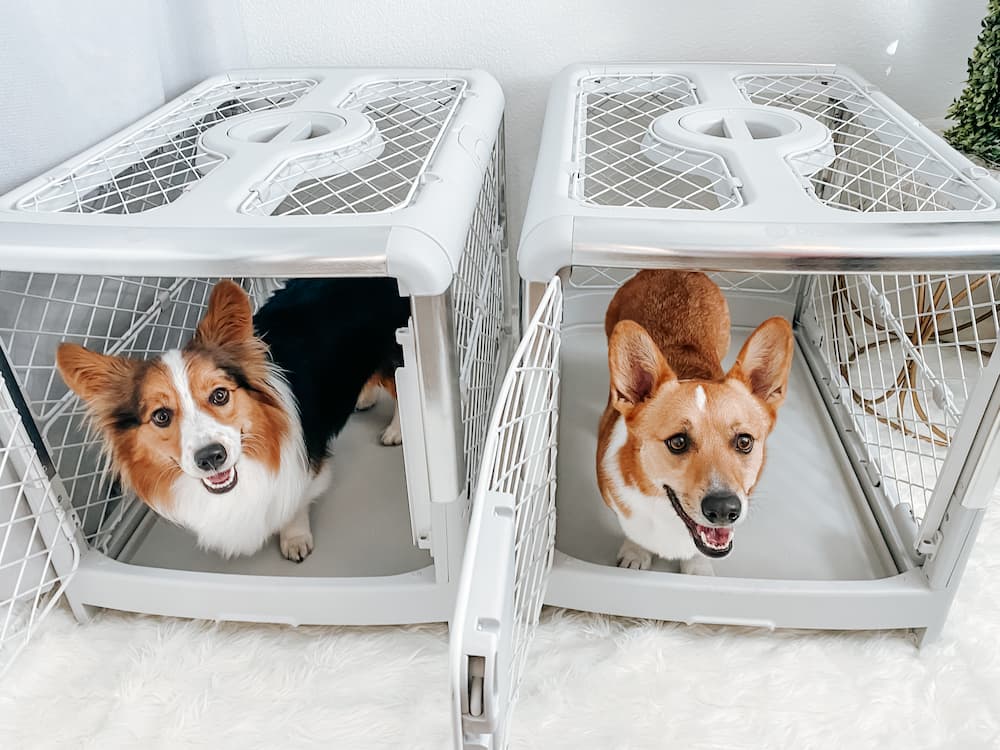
<point x="329" y="336"/>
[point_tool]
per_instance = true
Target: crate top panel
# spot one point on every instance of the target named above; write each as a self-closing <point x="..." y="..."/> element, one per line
<point x="748" y="167"/>
<point x="273" y="172"/>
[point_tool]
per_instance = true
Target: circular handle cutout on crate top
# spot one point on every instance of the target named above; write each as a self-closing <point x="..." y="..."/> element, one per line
<point x="749" y="123"/>
<point x="739" y="123"/>
<point x="298" y="129"/>
<point x="730" y="131"/>
<point x="344" y="126"/>
<point x="319" y="144"/>
<point x="291" y="131"/>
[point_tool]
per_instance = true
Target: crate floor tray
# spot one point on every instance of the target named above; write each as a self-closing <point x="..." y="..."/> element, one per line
<point x="808" y="520"/>
<point x="361" y="526"/>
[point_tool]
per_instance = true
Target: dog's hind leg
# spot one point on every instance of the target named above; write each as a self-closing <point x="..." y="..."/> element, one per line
<point x="393" y="433"/>
<point x="369" y="393"/>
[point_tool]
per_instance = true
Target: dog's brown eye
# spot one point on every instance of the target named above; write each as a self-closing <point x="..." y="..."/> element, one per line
<point x="744" y="443"/>
<point x="219" y="397"/>
<point x="161" y="417"/>
<point x="678" y="443"/>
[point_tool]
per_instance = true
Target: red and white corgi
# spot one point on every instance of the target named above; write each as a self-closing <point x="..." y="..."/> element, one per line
<point x="231" y="436"/>
<point x="681" y="443"/>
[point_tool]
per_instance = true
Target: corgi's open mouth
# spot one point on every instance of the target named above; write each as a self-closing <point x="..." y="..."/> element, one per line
<point x="711" y="541"/>
<point x="221" y="482"/>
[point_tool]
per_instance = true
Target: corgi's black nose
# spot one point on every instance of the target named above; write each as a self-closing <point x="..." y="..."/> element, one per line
<point x="211" y="457"/>
<point x="721" y="507"/>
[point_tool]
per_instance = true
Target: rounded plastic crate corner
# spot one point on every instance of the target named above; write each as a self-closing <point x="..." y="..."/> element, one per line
<point x="546" y="248"/>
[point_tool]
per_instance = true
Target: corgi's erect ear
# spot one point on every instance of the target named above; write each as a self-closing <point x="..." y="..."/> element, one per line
<point x="765" y="361"/>
<point x="228" y="319"/>
<point x="637" y="366"/>
<point x="95" y="378"/>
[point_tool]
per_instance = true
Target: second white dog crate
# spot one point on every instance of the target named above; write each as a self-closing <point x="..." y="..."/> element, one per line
<point x="808" y="194"/>
<point x="260" y="175"/>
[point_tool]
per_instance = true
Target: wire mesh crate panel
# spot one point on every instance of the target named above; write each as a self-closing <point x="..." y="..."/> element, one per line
<point x="79" y="458"/>
<point x="410" y="116"/>
<point x="479" y="313"/>
<point x="110" y="314"/>
<point x="878" y="165"/>
<point x="904" y="353"/>
<point x="129" y="316"/>
<point x="525" y="468"/>
<point x="615" y="164"/>
<point x="158" y="164"/>
<point x="592" y="277"/>
<point x="38" y="311"/>
<point x="31" y="528"/>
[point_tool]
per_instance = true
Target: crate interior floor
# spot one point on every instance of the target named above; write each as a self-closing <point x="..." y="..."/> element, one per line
<point x="361" y="526"/>
<point x="808" y="518"/>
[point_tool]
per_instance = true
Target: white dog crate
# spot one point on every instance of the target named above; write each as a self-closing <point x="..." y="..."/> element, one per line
<point x="259" y="175"/>
<point x="808" y="194"/>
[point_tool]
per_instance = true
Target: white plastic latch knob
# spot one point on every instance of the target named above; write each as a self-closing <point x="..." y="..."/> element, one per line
<point x="943" y="397"/>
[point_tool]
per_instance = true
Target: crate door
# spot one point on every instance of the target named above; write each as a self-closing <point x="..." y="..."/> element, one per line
<point x="39" y="551"/>
<point x="511" y="537"/>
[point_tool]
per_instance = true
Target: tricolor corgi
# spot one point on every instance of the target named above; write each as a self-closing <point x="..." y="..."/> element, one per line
<point x="231" y="436"/>
<point x="681" y="443"/>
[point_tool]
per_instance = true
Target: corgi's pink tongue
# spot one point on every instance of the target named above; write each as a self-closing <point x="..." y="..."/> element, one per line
<point x="715" y="537"/>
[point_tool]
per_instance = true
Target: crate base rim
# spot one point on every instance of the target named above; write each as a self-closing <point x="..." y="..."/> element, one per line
<point x="897" y="602"/>
<point x="406" y="598"/>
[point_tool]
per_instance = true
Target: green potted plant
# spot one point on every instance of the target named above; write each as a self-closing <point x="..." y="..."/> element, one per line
<point x="976" y="112"/>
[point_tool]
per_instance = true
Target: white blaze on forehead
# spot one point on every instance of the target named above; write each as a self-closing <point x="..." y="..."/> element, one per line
<point x="177" y="368"/>
<point x="197" y="426"/>
<point x="700" y="399"/>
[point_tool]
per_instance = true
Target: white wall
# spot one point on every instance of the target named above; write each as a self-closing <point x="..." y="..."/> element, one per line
<point x="524" y="42"/>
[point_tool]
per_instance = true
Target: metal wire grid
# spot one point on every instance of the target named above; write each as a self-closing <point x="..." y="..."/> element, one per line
<point x="130" y="316"/>
<point x="158" y="164"/>
<point x="525" y="424"/>
<point x="615" y="164"/>
<point x="593" y="277"/>
<point x="32" y="527"/>
<point x="904" y="353"/>
<point x="410" y="116"/>
<point x="878" y="166"/>
<point x="478" y="302"/>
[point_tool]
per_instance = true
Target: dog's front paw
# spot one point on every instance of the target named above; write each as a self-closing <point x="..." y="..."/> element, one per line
<point x="296" y="547"/>
<point x="632" y="556"/>
<point x="392" y="435"/>
<point x="697" y="566"/>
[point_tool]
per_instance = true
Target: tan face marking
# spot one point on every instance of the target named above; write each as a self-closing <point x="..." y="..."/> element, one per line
<point x="150" y="453"/>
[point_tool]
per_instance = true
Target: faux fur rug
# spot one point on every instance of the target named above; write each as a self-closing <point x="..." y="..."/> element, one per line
<point x="593" y="682"/>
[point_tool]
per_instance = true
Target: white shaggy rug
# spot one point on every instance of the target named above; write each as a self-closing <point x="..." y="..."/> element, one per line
<point x="593" y="682"/>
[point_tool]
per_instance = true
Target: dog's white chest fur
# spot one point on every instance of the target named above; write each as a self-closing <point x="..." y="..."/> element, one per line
<point x="240" y="521"/>
<point x="653" y="523"/>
